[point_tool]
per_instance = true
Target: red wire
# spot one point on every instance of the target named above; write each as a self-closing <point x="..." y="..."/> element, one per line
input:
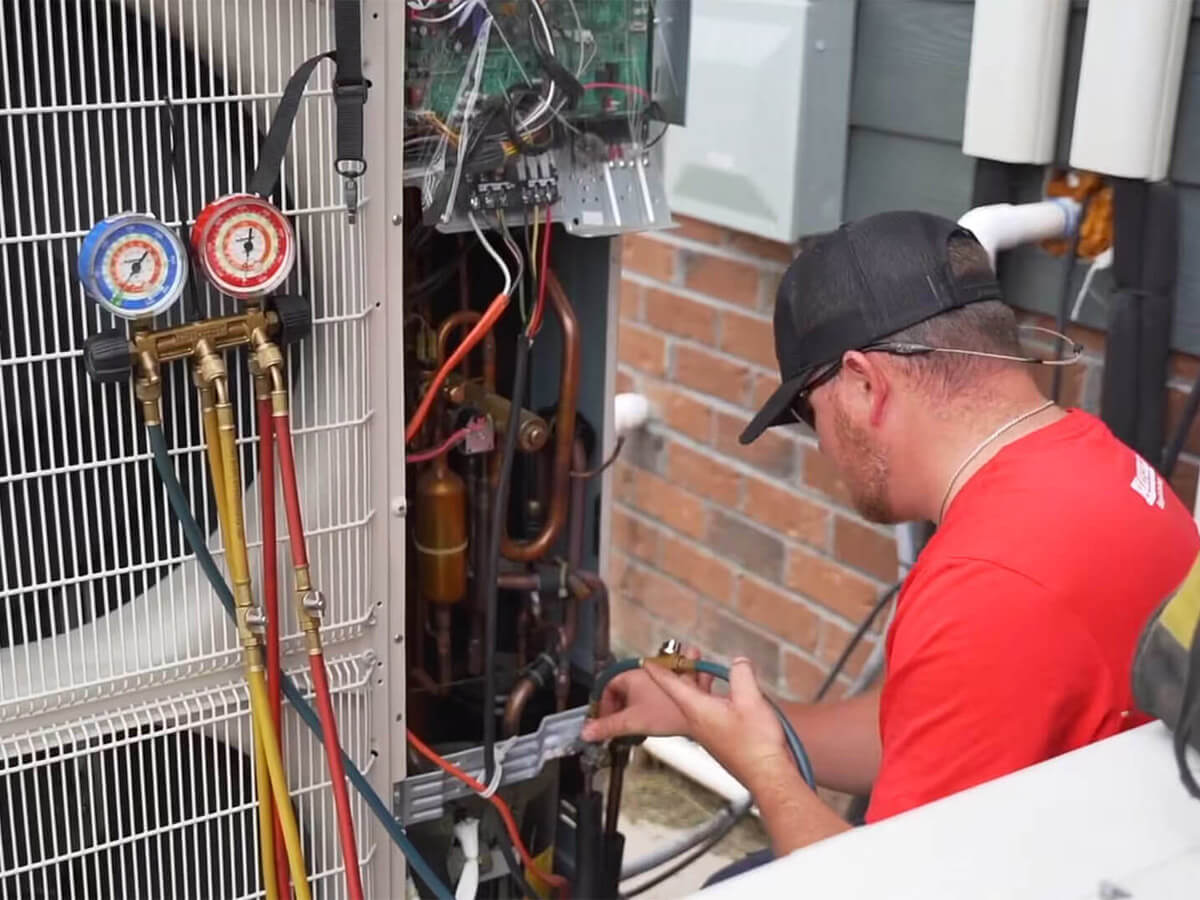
<point x="474" y="336"/>
<point x="445" y="447"/>
<point x="535" y="321"/>
<point x="266" y="469"/>
<point x="316" y="661"/>
<point x="510" y="824"/>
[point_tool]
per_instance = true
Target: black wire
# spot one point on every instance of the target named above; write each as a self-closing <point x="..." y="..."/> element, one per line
<point x="716" y="838"/>
<point x="1175" y="446"/>
<point x="1187" y="714"/>
<point x="1064" y="296"/>
<point x="499" y="516"/>
<point x="524" y="888"/>
<point x="857" y="637"/>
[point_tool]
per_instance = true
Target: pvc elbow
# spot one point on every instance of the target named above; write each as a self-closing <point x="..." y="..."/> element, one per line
<point x="1002" y="226"/>
<point x="630" y="412"/>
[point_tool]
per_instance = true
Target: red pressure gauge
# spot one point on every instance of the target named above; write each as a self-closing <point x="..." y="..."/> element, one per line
<point x="244" y="246"/>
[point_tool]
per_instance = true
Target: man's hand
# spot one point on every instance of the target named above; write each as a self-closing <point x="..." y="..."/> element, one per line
<point x="740" y="731"/>
<point x="634" y="704"/>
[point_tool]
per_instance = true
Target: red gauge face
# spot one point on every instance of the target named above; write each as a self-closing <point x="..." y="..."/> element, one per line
<point x="245" y="246"/>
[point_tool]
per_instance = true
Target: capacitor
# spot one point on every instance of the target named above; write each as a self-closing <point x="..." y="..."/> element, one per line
<point x="440" y="534"/>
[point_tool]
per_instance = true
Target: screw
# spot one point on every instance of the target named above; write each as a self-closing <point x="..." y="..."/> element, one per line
<point x="399" y="507"/>
<point x="821" y="46"/>
<point x="397" y="219"/>
<point x="398" y="638"/>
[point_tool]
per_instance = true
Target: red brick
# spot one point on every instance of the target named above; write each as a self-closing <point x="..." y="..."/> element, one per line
<point x="727" y="279"/>
<point x="631" y="300"/>
<point x="1183" y="481"/>
<point x="759" y="551"/>
<point x="680" y="315"/>
<point x="661" y="597"/>
<point x="710" y="374"/>
<point x="749" y="337"/>
<point x="770" y="289"/>
<point x="833" y="640"/>
<point x="648" y="257"/>
<point x="821" y="475"/>
<point x="760" y="393"/>
<point x="682" y="413"/>
<point x="801" y="676"/>
<point x="695" y="230"/>
<point x="864" y="548"/>
<point x="642" y="349"/>
<point x="830" y="584"/>
<point x="664" y="501"/>
<point x="778" y="612"/>
<point x="762" y="248"/>
<point x="729" y="638"/>
<point x="704" y="475"/>
<point x="771" y="451"/>
<point x="632" y="627"/>
<point x="625" y="382"/>
<point x="696" y="567"/>
<point x="788" y="513"/>
<point x="634" y="536"/>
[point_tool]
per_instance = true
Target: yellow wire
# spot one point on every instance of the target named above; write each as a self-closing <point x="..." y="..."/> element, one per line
<point x="533" y="248"/>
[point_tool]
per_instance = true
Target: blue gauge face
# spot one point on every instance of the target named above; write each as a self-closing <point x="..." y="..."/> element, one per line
<point x="133" y="265"/>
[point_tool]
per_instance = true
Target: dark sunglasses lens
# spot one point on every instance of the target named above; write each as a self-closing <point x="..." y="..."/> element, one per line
<point x="804" y="411"/>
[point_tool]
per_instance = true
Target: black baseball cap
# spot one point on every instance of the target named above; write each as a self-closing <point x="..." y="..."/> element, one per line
<point x="854" y="286"/>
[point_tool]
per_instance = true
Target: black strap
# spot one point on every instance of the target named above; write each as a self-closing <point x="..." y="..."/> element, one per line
<point x="1189" y="712"/>
<point x="174" y="116"/>
<point x="349" y="97"/>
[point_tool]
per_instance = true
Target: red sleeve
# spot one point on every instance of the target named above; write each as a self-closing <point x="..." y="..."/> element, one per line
<point x="986" y="675"/>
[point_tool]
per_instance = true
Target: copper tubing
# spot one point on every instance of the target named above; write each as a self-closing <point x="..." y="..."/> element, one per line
<point x="597" y="591"/>
<point x="564" y="434"/>
<point x="459" y="320"/>
<point x="578" y="496"/>
<point x="521" y="694"/>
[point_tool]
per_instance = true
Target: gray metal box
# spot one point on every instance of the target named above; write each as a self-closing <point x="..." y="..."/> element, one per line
<point x="764" y="148"/>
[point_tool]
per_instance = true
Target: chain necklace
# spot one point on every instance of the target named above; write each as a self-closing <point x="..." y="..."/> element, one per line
<point x="974" y="453"/>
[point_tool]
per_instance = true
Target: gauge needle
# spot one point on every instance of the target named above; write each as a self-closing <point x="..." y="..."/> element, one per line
<point x="135" y="265"/>
<point x="248" y="242"/>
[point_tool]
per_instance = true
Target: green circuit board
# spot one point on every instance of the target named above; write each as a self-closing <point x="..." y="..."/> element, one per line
<point x="615" y="49"/>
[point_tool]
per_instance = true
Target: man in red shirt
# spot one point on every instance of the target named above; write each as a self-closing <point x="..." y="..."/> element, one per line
<point x="1014" y="634"/>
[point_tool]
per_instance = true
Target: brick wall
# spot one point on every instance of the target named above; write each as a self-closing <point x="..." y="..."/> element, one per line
<point x="748" y="550"/>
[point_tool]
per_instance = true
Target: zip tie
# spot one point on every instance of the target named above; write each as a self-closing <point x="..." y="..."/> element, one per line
<point x="498" y="774"/>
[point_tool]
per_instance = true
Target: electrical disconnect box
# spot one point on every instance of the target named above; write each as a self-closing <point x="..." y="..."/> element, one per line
<point x="764" y="148"/>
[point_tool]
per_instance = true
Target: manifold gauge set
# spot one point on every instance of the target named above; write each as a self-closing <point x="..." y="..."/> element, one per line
<point x="136" y="267"/>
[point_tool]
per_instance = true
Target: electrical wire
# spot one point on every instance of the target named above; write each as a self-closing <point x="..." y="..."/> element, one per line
<point x="197" y="541"/>
<point x="612" y="458"/>
<point x="510" y="824"/>
<point x="618" y="86"/>
<point x="514" y="866"/>
<point x="689" y="840"/>
<point x="716" y="670"/>
<point x="696" y="854"/>
<point x="445" y="447"/>
<point x="492" y="252"/>
<point x="535" y="321"/>
<point x="474" y="336"/>
<point x="859" y="633"/>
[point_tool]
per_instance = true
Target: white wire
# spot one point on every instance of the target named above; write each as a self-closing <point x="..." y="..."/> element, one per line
<point x="467" y="833"/>
<point x="508" y="281"/>
<point x="549" y="98"/>
<point x="480" y="51"/>
<point x="455" y="9"/>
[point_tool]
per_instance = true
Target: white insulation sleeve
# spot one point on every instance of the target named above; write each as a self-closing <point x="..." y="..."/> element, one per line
<point x="467" y="834"/>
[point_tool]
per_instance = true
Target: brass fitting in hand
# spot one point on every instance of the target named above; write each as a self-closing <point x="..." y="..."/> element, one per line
<point x="673" y="662"/>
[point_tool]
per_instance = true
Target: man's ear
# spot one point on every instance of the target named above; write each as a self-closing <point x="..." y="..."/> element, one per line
<point x="868" y="384"/>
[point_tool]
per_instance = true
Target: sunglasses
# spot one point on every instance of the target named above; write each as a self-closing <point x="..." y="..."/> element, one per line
<point x="801" y="407"/>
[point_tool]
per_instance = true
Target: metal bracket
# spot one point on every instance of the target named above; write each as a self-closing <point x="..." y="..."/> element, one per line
<point x="420" y="798"/>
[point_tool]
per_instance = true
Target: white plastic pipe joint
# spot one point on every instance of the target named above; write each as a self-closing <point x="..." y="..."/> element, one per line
<point x="1002" y="226"/>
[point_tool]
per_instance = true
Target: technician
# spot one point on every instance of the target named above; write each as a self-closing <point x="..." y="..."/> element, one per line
<point x="1014" y="633"/>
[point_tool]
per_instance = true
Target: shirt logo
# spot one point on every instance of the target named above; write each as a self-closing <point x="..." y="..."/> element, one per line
<point x="1148" y="484"/>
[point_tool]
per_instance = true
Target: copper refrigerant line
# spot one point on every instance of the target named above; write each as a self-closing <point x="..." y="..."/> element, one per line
<point x="448" y="545"/>
<point x="109" y="358"/>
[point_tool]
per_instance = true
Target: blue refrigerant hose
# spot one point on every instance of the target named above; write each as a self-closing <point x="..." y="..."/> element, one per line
<point x="716" y="670"/>
<point x="196" y="539"/>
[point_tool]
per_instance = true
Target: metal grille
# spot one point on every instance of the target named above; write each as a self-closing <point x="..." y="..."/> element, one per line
<point x="157" y="800"/>
<point x="97" y="588"/>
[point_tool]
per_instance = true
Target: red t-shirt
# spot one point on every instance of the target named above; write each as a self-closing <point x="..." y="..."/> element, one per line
<point x="1014" y="634"/>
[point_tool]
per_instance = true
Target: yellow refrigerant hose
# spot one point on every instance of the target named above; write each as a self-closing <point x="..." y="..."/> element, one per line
<point x="223" y="457"/>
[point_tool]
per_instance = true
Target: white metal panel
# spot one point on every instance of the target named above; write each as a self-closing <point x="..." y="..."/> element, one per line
<point x="1113" y="813"/>
<point x="94" y="557"/>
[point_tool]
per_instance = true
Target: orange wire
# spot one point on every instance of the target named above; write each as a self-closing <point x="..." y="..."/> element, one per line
<point x="474" y="336"/>
<point x="510" y="824"/>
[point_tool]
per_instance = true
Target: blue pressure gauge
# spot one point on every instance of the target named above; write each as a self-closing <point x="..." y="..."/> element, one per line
<point x="133" y="265"/>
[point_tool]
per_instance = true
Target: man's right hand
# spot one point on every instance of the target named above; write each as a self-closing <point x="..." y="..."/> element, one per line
<point x="632" y="704"/>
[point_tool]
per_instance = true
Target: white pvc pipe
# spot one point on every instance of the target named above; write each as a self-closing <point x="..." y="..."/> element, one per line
<point x="694" y="762"/>
<point x="1002" y="226"/>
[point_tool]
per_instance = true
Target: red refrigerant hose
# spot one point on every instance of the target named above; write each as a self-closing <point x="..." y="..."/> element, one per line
<point x="266" y="478"/>
<point x="316" y="661"/>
